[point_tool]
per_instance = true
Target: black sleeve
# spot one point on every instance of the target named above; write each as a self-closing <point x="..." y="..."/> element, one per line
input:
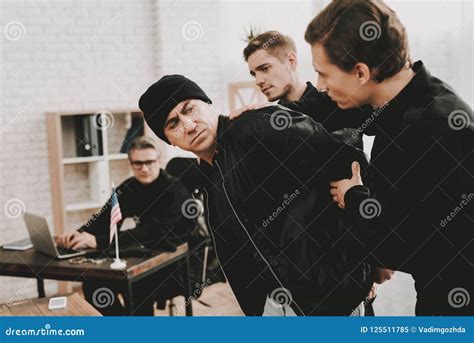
<point x="325" y="111"/>
<point x="165" y="226"/>
<point x="306" y="148"/>
<point x="433" y="182"/>
<point x="311" y="154"/>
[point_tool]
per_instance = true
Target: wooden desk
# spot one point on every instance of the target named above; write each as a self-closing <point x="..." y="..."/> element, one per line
<point x="76" y="306"/>
<point x="33" y="264"/>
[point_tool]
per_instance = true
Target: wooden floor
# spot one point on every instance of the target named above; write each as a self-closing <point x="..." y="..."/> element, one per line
<point x="218" y="296"/>
<point x="395" y="298"/>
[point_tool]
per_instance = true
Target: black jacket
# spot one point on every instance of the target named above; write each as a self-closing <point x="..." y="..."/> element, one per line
<point x="422" y="165"/>
<point x="347" y="135"/>
<point x="272" y="218"/>
<point x="155" y="207"/>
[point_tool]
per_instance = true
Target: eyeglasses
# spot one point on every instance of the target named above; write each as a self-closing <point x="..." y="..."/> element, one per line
<point x="139" y="164"/>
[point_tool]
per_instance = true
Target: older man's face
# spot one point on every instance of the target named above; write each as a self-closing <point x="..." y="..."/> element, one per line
<point x="192" y="126"/>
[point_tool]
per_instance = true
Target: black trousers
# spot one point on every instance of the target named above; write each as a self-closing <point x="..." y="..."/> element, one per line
<point x="165" y="284"/>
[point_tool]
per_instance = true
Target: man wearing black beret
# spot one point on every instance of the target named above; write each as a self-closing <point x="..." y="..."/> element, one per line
<point x="280" y="240"/>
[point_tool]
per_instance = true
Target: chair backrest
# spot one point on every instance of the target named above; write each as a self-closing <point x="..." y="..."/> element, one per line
<point x="244" y="93"/>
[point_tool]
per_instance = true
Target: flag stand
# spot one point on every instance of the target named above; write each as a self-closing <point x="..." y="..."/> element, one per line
<point x="118" y="263"/>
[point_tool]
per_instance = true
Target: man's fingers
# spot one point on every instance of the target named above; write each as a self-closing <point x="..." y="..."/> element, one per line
<point x="355" y="169"/>
<point x="341" y="205"/>
<point x="70" y="236"/>
<point x="75" y="242"/>
<point x="237" y="113"/>
<point x="260" y="105"/>
<point x="335" y="198"/>
<point x="333" y="191"/>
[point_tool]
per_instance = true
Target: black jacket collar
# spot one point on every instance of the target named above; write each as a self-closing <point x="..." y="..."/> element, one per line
<point x="392" y="113"/>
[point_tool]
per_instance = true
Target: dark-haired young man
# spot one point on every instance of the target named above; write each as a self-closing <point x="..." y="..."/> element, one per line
<point x="422" y="157"/>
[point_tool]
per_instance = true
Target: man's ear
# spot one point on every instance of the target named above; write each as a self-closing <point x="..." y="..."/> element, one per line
<point x="362" y="72"/>
<point x="292" y="60"/>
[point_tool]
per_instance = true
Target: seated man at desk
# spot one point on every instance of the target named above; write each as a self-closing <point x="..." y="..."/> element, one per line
<point x="154" y="199"/>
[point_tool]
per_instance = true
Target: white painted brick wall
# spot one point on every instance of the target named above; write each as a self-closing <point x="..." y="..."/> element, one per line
<point x="74" y="56"/>
<point x="90" y="54"/>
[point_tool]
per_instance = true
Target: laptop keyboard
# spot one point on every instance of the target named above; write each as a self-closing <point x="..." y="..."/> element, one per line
<point x="66" y="251"/>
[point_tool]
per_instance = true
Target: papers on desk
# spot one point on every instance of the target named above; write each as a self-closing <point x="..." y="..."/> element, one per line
<point x="22" y="244"/>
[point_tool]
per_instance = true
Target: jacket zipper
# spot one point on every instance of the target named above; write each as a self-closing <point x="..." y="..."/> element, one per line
<point x="212" y="234"/>
<point x="251" y="240"/>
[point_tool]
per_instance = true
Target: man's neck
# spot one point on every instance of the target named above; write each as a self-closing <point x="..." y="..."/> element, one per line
<point x="208" y="155"/>
<point x="388" y="89"/>
<point x="296" y="91"/>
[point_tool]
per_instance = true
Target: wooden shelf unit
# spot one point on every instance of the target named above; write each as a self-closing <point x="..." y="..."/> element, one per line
<point x="83" y="183"/>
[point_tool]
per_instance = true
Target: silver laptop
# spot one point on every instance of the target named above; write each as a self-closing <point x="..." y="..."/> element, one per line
<point x="43" y="240"/>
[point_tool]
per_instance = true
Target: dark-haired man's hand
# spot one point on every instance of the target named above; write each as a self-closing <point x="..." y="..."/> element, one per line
<point x="238" y="112"/>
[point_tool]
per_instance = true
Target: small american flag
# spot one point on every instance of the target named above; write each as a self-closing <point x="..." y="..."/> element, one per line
<point x="115" y="215"/>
